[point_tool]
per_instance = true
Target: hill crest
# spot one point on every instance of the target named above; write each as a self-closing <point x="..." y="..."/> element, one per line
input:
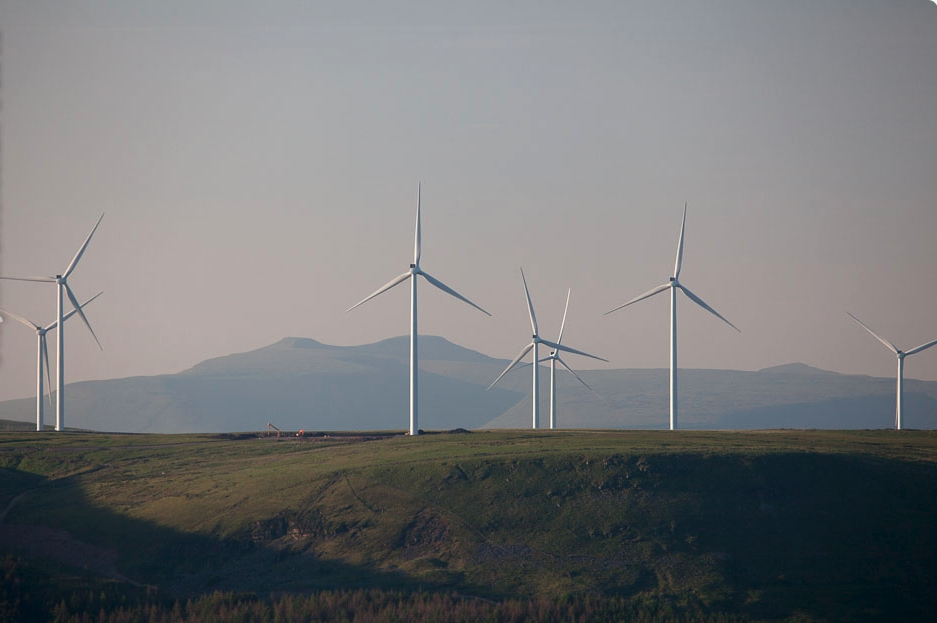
<point x="796" y="368"/>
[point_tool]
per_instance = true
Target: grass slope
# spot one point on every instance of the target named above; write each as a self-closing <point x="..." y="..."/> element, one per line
<point x="806" y="525"/>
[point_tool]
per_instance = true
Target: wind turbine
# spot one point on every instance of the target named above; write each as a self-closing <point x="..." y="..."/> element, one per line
<point x="412" y="275"/>
<point x="554" y="358"/>
<point x="901" y="355"/>
<point x="673" y="285"/>
<point x="42" y="355"/>
<point x="62" y="282"/>
<point x="534" y="345"/>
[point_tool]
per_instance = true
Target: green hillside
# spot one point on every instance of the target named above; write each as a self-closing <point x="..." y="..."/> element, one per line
<point x="807" y="525"/>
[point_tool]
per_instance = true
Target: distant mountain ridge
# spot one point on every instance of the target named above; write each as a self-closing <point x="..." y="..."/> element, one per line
<point x="795" y="368"/>
<point x="302" y="383"/>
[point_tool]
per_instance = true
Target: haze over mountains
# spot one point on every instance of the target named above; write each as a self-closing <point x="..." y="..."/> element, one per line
<point x="301" y="383"/>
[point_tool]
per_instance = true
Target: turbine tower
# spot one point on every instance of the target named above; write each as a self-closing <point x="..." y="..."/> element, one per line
<point x="673" y="285"/>
<point x="412" y="274"/>
<point x="534" y="345"/>
<point x="900" y="354"/>
<point x="554" y="358"/>
<point x="42" y="356"/>
<point x="63" y="289"/>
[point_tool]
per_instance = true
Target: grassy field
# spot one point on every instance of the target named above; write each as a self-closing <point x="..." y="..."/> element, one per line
<point x="785" y="525"/>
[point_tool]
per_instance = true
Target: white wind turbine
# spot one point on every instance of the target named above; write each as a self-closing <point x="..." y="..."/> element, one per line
<point x="62" y="282"/>
<point x="42" y="355"/>
<point x="412" y="275"/>
<point x="673" y="285"/>
<point x="901" y="355"/>
<point x="534" y="345"/>
<point x="554" y="358"/>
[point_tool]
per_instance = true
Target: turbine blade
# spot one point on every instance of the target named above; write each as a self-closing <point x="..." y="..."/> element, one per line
<point x="570" y="370"/>
<point x="530" y="305"/>
<point x="439" y="284"/>
<point x="520" y="356"/>
<point x="45" y="356"/>
<point x="84" y="245"/>
<point x="567" y="349"/>
<point x="887" y="344"/>
<point x="73" y="312"/>
<point x="71" y="297"/>
<point x="679" y="263"/>
<point x="918" y="349"/>
<point x="700" y="302"/>
<point x="563" y="324"/>
<point x="22" y="320"/>
<point x="384" y="288"/>
<point x="524" y="364"/>
<point x="641" y="297"/>
<point x="417" y="238"/>
<point x="41" y="279"/>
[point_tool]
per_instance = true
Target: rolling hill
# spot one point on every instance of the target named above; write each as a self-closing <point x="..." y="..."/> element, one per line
<point x="661" y="526"/>
<point x="301" y="383"/>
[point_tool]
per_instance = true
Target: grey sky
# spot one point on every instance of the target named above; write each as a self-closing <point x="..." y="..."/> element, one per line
<point x="259" y="162"/>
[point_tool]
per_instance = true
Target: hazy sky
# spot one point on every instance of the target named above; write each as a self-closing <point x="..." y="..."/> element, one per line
<point x="258" y="165"/>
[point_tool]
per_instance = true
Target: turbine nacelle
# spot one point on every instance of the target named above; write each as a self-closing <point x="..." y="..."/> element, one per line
<point x="900" y="354"/>
<point x="674" y="282"/>
<point x="61" y="281"/>
<point x="411" y="275"/>
<point x="535" y="341"/>
<point x="43" y="355"/>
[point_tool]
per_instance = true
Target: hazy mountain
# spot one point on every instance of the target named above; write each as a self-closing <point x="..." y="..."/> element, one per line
<point x="788" y="396"/>
<point x="301" y="383"/>
<point x="294" y="383"/>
